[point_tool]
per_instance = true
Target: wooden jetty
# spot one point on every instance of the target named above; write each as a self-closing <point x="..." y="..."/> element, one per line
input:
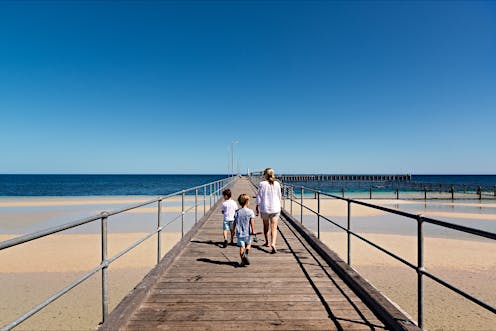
<point x="199" y="286"/>
<point x="334" y="178"/>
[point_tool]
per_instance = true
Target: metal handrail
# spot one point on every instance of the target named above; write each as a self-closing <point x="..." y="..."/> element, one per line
<point x="213" y="189"/>
<point x="469" y="191"/>
<point x="288" y="192"/>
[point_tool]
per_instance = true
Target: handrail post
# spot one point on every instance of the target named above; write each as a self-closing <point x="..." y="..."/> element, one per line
<point x="348" y="235"/>
<point x="105" y="267"/>
<point x="342" y="192"/>
<point x="452" y="193"/>
<point x="479" y="191"/>
<point x="182" y="214"/>
<point x="159" y="235"/>
<point x="210" y="194"/>
<point x="291" y="201"/>
<point x="425" y="193"/>
<point x="397" y="193"/>
<point x="284" y="193"/>
<point x="318" y="214"/>
<point x="204" y="199"/>
<point x="420" y="268"/>
<point x="370" y="192"/>
<point x="301" y="209"/>
<point x="196" y="205"/>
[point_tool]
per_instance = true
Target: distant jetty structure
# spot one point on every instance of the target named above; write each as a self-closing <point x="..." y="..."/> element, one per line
<point x="329" y="177"/>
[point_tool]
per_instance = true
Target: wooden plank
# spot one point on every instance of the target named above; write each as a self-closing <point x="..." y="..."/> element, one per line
<point x="240" y="306"/>
<point x="224" y="315"/>
<point x="234" y="325"/>
<point x="248" y="290"/>
<point x="276" y="324"/>
<point x="232" y="299"/>
<point x="227" y="284"/>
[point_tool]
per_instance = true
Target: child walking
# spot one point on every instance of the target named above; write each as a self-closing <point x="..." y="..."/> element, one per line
<point x="244" y="225"/>
<point x="229" y="207"/>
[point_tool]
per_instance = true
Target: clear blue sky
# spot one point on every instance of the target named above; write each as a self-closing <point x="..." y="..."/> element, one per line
<point x="164" y="87"/>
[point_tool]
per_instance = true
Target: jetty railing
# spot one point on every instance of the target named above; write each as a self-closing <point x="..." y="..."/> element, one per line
<point x="391" y="186"/>
<point x="207" y="193"/>
<point x="289" y="194"/>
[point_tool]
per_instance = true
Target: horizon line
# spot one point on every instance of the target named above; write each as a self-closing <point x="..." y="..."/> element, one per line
<point x="227" y="174"/>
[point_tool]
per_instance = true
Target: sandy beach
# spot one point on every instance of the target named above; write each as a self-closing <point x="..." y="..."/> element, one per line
<point x="36" y="270"/>
<point x="31" y="272"/>
<point x="25" y="215"/>
<point x="338" y="208"/>
<point x="86" y="201"/>
<point x="465" y="263"/>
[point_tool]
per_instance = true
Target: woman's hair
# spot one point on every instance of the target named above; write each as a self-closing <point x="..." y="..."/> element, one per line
<point x="227" y="193"/>
<point x="269" y="175"/>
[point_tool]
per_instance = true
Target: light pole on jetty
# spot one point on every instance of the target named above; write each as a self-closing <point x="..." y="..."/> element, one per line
<point x="232" y="156"/>
<point x="228" y="160"/>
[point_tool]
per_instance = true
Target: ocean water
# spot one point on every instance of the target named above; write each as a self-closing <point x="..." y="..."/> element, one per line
<point x="97" y="185"/>
<point x="482" y="180"/>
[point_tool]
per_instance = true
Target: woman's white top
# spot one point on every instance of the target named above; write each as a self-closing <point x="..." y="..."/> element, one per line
<point x="269" y="197"/>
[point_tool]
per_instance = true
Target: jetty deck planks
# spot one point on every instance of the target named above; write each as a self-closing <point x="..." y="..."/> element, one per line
<point x="203" y="288"/>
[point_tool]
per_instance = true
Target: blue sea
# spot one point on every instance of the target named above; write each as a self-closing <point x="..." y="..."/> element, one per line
<point x="482" y="180"/>
<point x="98" y="185"/>
<point x="118" y="185"/>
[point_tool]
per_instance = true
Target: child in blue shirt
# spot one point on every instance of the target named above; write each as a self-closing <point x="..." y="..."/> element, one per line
<point x="244" y="225"/>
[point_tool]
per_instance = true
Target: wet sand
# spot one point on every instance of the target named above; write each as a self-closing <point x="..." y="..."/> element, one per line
<point x="32" y="272"/>
<point x="29" y="214"/>
<point x="338" y="208"/>
<point x="467" y="264"/>
<point x="83" y="201"/>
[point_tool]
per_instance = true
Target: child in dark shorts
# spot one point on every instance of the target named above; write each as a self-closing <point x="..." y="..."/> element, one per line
<point x="244" y="225"/>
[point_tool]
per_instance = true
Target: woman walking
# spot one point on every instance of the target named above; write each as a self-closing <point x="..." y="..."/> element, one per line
<point x="269" y="206"/>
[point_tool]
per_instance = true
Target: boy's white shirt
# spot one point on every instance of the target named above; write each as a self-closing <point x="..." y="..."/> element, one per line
<point x="229" y="207"/>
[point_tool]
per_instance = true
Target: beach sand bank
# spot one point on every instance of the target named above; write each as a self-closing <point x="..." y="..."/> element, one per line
<point x="86" y="200"/>
<point x="32" y="272"/>
<point x="339" y="208"/>
<point x="30" y="214"/>
<point x="467" y="264"/>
